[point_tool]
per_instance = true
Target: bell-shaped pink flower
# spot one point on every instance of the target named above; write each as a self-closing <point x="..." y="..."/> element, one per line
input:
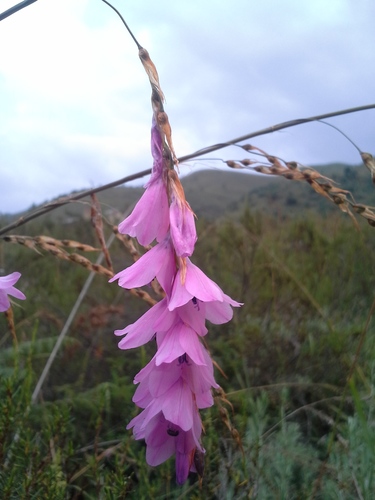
<point x="163" y="439"/>
<point x="7" y="288"/>
<point x="192" y="284"/>
<point x="150" y="217"/>
<point x="177" y="404"/>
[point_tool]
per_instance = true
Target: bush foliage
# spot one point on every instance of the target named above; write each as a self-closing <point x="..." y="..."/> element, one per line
<point x="297" y="418"/>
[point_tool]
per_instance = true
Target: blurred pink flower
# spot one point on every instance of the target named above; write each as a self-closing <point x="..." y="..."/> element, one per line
<point x="7" y="288"/>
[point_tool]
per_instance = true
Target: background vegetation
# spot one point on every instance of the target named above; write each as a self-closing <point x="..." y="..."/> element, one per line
<point x="297" y="420"/>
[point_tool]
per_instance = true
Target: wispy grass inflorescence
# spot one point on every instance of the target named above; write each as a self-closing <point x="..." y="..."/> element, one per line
<point x="322" y="185"/>
<point x="55" y="248"/>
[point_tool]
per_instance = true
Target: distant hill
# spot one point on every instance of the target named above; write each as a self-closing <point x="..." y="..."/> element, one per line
<point x="214" y="194"/>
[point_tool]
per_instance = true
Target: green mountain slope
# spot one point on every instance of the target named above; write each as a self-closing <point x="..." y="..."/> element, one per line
<point x="214" y="194"/>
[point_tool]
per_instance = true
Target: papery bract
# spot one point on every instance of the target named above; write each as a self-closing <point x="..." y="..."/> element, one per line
<point x="7" y="288"/>
<point x="157" y="152"/>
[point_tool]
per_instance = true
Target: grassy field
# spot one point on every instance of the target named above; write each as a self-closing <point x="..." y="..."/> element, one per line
<point x="296" y="364"/>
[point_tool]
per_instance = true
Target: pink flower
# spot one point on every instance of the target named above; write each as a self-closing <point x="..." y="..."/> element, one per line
<point x="177" y="404"/>
<point x="178" y="380"/>
<point x="164" y="439"/>
<point x="155" y="380"/>
<point x="150" y="217"/>
<point x="7" y="288"/>
<point x="192" y="284"/>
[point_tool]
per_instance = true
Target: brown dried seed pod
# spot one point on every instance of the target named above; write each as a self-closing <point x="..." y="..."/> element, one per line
<point x="289" y="176"/>
<point x="246" y="162"/>
<point x="339" y="198"/>
<point x="292" y="165"/>
<point x="295" y="175"/>
<point x="233" y="164"/>
<point x="247" y="147"/>
<point x="359" y="208"/>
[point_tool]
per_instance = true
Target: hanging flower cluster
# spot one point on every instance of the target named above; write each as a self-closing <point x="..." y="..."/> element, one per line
<point x="177" y="382"/>
<point x="7" y="288"/>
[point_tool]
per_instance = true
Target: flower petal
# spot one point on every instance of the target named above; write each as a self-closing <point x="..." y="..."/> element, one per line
<point x="177" y="405"/>
<point x="143" y="329"/>
<point x="196" y="284"/>
<point x="7" y="288"/>
<point x="146" y="268"/>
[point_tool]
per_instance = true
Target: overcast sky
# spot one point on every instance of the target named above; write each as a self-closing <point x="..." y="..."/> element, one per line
<point x="75" y="101"/>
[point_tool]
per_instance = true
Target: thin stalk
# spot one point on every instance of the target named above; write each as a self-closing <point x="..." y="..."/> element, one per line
<point x="126" y="26"/>
<point x="275" y="128"/>
<point x="16" y="8"/>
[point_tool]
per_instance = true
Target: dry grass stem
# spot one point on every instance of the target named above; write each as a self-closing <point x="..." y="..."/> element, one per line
<point x="97" y="222"/>
<point x="221" y="399"/>
<point x="10" y="320"/>
<point x="47" y="243"/>
<point x="128" y="242"/>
